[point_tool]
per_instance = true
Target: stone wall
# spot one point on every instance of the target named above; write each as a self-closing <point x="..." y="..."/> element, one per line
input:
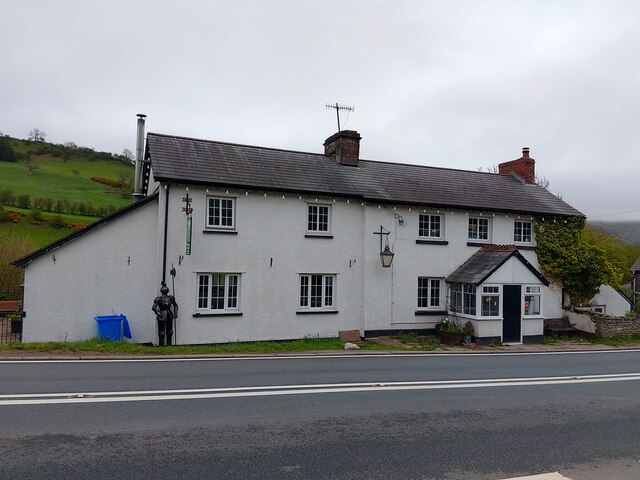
<point x="614" y="326"/>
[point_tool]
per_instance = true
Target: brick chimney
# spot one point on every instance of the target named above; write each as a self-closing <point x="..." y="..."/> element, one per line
<point x="523" y="167"/>
<point x="344" y="146"/>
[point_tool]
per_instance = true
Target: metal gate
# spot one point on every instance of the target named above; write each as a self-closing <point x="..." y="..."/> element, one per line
<point x="10" y="329"/>
<point x="10" y="317"/>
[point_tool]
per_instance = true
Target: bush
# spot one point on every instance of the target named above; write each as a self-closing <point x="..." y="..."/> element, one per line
<point x="57" y="221"/>
<point x="4" y="215"/>
<point x="7" y="197"/>
<point x="75" y="226"/>
<point x="14" y="216"/>
<point x="6" y="151"/>
<point x="36" y="216"/>
<point x="43" y="203"/>
<point x="24" y="201"/>
<point x="109" y="182"/>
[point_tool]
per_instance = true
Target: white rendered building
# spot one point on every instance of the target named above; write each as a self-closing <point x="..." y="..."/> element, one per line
<point x="277" y="244"/>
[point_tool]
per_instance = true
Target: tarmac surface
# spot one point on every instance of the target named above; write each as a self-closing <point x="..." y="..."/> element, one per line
<point x="567" y="346"/>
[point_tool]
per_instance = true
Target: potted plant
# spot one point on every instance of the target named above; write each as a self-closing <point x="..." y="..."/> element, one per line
<point x="448" y="331"/>
<point x="15" y="319"/>
<point x="468" y="332"/>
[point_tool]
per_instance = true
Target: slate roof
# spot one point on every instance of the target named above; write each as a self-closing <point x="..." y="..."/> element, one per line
<point x="487" y="260"/>
<point x="27" y="259"/>
<point x="636" y="266"/>
<point x="210" y="163"/>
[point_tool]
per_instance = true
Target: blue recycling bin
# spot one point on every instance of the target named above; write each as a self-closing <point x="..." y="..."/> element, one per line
<point x="111" y="326"/>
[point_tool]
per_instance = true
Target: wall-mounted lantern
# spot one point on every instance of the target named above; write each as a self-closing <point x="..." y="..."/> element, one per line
<point x="386" y="255"/>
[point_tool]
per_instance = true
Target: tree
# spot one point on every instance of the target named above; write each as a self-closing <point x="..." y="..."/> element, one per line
<point x="124" y="177"/>
<point x="6" y="151"/>
<point x="128" y="155"/>
<point x="575" y="260"/>
<point x="7" y="197"/>
<point x="24" y="201"/>
<point x="31" y="164"/>
<point x="71" y="145"/>
<point x="12" y="247"/>
<point x="37" y="135"/>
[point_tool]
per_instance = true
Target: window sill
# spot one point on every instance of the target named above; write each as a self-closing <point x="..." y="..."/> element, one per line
<point x="478" y="243"/>
<point x="227" y="232"/>
<point x="221" y="314"/>
<point x="424" y="241"/>
<point x="435" y="313"/>
<point x="533" y="317"/>
<point x="316" y="312"/>
<point x="318" y="235"/>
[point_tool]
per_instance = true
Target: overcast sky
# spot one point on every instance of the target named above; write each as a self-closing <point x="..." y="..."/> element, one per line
<point x="459" y="84"/>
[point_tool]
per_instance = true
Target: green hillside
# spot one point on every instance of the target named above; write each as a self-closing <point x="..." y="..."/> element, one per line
<point x="626" y="232"/>
<point x="51" y="190"/>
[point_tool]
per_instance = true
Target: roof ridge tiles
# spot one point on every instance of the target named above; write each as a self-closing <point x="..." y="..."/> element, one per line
<point x="492" y="247"/>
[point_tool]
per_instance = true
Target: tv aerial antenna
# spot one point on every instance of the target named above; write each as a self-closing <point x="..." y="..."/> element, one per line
<point x="339" y="107"/>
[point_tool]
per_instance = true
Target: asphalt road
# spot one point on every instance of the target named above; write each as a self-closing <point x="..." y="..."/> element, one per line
<point x="357" y="417"/>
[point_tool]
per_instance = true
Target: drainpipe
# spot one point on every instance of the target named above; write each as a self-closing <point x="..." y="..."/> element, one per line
<point x="166" y="224"/>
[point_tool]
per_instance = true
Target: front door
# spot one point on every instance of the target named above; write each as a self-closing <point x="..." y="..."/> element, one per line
<point x="511" y="313"/>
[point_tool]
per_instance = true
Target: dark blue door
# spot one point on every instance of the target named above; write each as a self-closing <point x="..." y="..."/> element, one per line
<point x="511" y="313"/>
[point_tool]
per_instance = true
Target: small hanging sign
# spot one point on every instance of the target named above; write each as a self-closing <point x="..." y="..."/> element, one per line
<point x="187" y="210"/>
<point x="188" y="250"/>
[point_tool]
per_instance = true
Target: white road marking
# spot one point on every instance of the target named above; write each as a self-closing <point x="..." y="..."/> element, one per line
<point x="275" y="390"/>
<point x="544" y="476"/>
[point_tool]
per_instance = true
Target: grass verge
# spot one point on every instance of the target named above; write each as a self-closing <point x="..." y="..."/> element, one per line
<point x="96" y="345"/>
<point x="617" y="341"/>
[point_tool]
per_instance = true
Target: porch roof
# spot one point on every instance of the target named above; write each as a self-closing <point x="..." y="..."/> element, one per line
<point x="482" y="264"/>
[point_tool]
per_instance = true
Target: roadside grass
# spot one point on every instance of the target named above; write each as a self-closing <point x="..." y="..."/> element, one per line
<point x="596" y="340"/>
<point x="552" y="338"/>
<point x="617" y="341"/>
<point x="409" y="342"/>
<point x="96" y="345"/>
<point x="416" y="341"/>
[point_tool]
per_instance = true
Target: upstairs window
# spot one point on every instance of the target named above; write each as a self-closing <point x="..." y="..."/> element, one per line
<point x="478" y="229"/>
<point x="430" y="226"/>
<point x="522" y="232"/>
<point x="318" y="218"/>
<point x="220" y="213"/>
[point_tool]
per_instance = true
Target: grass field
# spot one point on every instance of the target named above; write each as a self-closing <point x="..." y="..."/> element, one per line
<point x="54" y="178"/>
<point x="64" y="173"/>
<point x="43" y="234"/>
<point x="61" y="174"/>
